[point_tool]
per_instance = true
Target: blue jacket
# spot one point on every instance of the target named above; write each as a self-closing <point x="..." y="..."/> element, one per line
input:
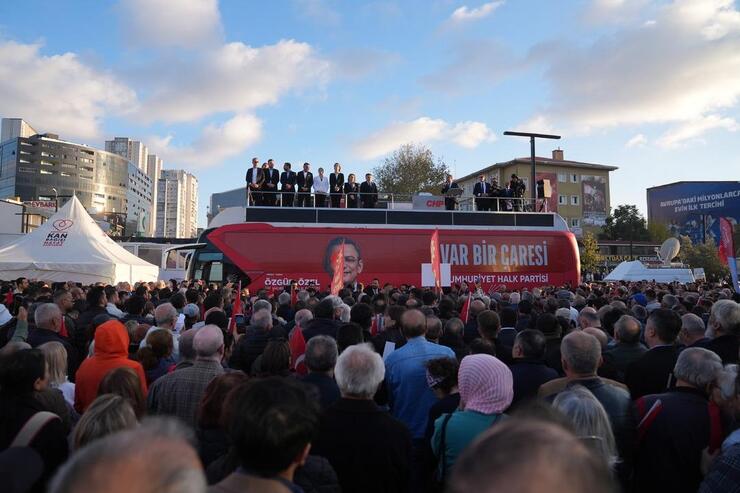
<point x="409" y="395"/>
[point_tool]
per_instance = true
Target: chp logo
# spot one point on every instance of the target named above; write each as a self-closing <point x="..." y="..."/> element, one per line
<point x="57" y="237"/>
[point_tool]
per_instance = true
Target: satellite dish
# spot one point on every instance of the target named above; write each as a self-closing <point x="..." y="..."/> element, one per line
<point x="668" y="250"/>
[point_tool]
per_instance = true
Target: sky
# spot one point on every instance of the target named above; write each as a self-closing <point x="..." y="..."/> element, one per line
<point x="652" y="87"/>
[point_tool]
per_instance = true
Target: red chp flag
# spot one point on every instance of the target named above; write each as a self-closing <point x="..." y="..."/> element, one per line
<point x="436" y="266"/>
<point x="337" y="264"/>
<point x="727" y="250"/>
<point x="236" y="309"/>
<point x="465" y="313"/>
<point x="293" y="294"/>
<point x="297" y="345"/>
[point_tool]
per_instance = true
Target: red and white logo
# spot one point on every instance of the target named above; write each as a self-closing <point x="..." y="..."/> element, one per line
<point x="62" y="224"/>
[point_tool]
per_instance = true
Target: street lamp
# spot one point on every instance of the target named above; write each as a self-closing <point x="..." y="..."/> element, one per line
<point x="532" y="136"/>
<point x="56" y="199"/>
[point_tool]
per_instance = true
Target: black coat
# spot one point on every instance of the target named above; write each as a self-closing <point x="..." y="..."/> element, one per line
<point x="321" y="327"/>
<point x="726" y="348"/>
<point x="528" y="375"/>
<point x="368" y="194"/>
<point x="251" y="346"/>
<point x="618" y="358"/>
<point x="212" y="444"/>
<point x="39" y="336"/>
<point x="351" y="189"/>
<point x="368" y="448"/>
<point x="481" y="189"/>
<point x="288" y="178"/>
<point x="652" y="373"/>
<point x="328" y="390"/>
<point x="260" y="176"/>
<point x="336" y="183"/>
<point x="304" y="183"/>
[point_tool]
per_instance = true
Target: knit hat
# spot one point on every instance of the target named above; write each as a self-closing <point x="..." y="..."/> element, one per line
<point x="485" y="383"/>
<point x="191" y="310"/>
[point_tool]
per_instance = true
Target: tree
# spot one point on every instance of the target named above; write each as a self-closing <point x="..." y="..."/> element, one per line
<point x="625" y="224"/>
<point x="409" y="170"/>
<point x="590" y="256"/>
<point x="705" y="256"/>
<point x="658" y="232"/>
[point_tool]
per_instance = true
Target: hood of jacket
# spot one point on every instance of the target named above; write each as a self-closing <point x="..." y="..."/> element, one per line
<point x="111" y="340"/>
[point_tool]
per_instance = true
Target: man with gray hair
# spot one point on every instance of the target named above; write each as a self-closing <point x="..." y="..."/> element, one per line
<point x="320" y="358"/>
<point x="693" y="331"/>
<point x="381" y="440"/>
<point x="626" y="350"/>
<point x="48" y="318"/>
<point x="179" y="393"/>
<point x="254" y="341"/>
<point x="155" y="457"/>
<point x="581" y="357"/>
<point x="724" y="329"/>
<point x="165" y="316"/>
<point x="676" y="426"/>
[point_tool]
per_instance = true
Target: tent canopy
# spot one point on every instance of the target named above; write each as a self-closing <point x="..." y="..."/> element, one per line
<point x="637" y="271"/>
<point x="70" y="246"/>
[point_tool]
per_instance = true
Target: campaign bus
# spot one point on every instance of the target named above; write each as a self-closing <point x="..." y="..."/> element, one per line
<point x="514" y="250"/>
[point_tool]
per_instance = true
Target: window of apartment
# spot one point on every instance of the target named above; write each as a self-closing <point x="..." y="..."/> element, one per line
<point x="68" y="165"/>
<point x="46" y="172"/>
<point x="43" y="162"/>
<point x="66" y="174"/>
<point x="26" y="170"/>
<point x="574" y="199"/>
<point x="562" y="177"/>
<point x="562" y="200"/>
<point x="574" y="178"/>
<point x="575" y="222"/>
<point x="83" y="177"/>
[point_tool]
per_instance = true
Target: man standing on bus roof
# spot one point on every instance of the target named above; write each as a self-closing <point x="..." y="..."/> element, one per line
<point x="450" y="201"/>
<point x="368" y="192"/>
<point x="287" y="185"/>
<point x="481" y="191"/>
<point x="304" y="182"/>
<point x="254" y="180"/>
<point x="336" y="185"/>
<point x="352" y="261"/>
<point x="272" y="178"/>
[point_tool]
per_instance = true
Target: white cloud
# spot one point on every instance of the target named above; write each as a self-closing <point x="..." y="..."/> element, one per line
<point x="638" y="140"/>
<point x="232" y="78"/>
<point x="677" y="70"/>
<point x="357" y="63"/>
<point x="467" y="134"/>
<point x="467" y="14"/>
<point x="215" y="144"/>
<point x="538" y="123"/>
<point x="614" y="11"/>
<point x="695" y="128"/>
<point x="164" y="23"/>
<point x="58" y="93"/>
<point x="319" y="11"/>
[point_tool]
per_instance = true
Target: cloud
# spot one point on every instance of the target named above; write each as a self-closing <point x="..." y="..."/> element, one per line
<point x="357" y="63"/>
<point x="675" y="71"/>
<point x="467" y="134"/>
<point x="233" y="78"/>
<point x="319" y="11"/>
<point x="694" y="129"/>
<point x="167" y="24"/>
<point x="638" y="140"/>
<point x="58" y="93"/>
<point x="467" y="14"/>
<point x="614" y="11"/>
<point x="215" y="144"/>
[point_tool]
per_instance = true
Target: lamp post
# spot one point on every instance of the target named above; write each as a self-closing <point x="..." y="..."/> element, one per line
<point x="532" y="136"/>
<point x="56" y="199"/>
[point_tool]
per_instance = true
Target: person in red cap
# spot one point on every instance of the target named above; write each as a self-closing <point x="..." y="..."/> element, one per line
<point x="111" y="351"/>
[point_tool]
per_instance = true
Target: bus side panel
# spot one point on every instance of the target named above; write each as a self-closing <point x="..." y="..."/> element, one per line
<point x="272" y="256"/>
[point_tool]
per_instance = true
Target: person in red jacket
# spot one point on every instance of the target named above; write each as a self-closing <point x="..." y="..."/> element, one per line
<point x="111" y="351"/>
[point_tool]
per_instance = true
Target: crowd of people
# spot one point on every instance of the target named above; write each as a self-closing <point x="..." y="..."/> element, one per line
<point x="602" y="387"/>
<point x="303" y="189"/>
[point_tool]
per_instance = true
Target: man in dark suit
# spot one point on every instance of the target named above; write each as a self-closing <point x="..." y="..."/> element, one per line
<point x="495" y="193"/>
<point x="723" y="328"/>
<point x="381" y="440"/>
<point x="269" y="186"/>
<point x="336" y="185"/>
<point x="627" y="350"/>
<point x="287" y="185"/>
<point x="368" y="192"/>
<point x="304" y="182"/>
<point x="651" y="374"/>
<point x="373" y="289"/>
<point x="255" y="177"/>
<point x="450" y="201"/>
<point x="529" y="370"/>
<point x="320" y="358"/>
<point x="481" y="190"/>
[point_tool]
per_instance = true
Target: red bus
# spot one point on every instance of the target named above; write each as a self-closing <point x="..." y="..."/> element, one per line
<point x="271" y="254"/>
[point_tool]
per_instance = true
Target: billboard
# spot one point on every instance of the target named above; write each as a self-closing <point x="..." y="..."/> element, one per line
<point x="688" y="207"/>
<point x="552" y="202"/>
<point x="594" y="200"/>
<point x="274" y="255"/>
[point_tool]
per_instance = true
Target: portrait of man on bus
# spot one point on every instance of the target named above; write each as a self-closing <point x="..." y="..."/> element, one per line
<point x="352" y="260"/>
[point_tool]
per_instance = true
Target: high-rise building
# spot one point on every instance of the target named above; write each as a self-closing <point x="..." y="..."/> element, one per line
<point x="44" y="167"/>
<point x="12" y="128"/>
<point x="177" y="204"/>
<point x="154" y="170"/>
<point x="133" y="150"/>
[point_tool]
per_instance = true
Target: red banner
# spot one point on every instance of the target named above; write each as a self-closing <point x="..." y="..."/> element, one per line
<point x="236" y="309"/>
<point x="275" y="255"/>
<point x="436" y="263"/>
<point x="726" y="242"/>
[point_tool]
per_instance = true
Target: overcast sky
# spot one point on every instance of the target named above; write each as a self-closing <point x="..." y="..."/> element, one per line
<point x="649" y="86"/>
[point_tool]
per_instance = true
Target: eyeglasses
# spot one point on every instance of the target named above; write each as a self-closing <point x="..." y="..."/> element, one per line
<point x="351" y="260"/>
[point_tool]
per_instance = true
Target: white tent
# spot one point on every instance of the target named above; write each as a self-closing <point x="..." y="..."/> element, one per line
<point x="70" y="246"/>
<point x="637" y="271"/>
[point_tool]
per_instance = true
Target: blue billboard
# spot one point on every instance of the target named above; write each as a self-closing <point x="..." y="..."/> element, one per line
<point x="686" y="207"/>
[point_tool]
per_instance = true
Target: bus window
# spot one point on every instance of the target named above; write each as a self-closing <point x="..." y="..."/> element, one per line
<point x="216" y="272"/>
<point x="151" y="255"/>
